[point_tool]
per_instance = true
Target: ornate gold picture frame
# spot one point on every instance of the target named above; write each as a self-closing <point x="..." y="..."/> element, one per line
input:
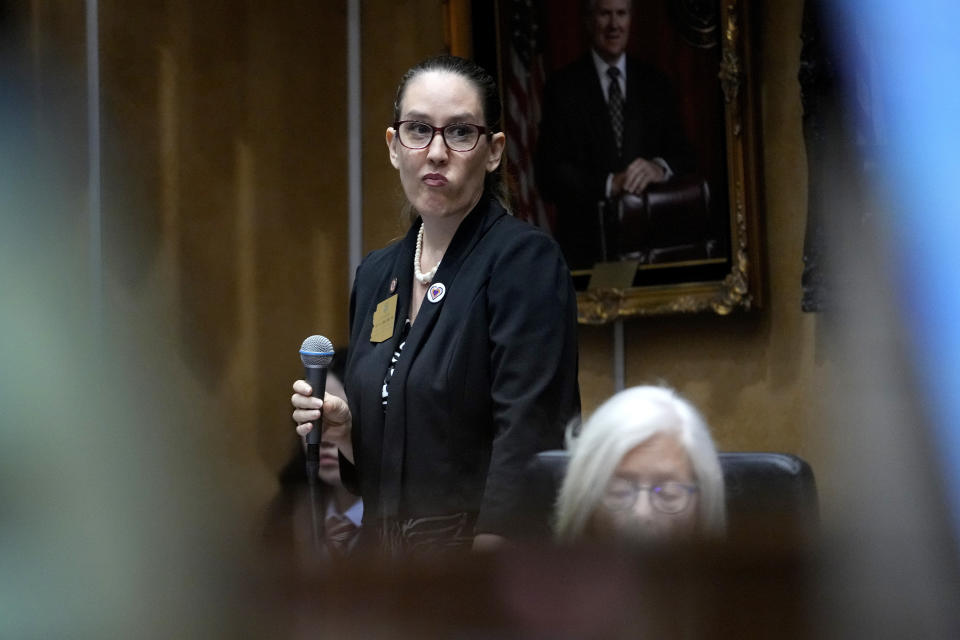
<point x="716" y="95"/>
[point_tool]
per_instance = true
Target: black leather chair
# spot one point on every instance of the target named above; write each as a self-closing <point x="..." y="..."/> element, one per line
<point x="669" y="222"/>
<point x="773" y="493"/>
<point x="767" y="494"/>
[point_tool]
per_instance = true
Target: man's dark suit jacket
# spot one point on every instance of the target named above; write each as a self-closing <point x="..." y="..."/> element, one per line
<point x="487" y="377"/>
<point x="577" y="151"/>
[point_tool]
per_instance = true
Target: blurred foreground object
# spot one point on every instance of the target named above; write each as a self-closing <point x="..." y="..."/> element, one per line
<point x="891" y="432"/>
<point x="116" y="519"/>
<point x="540" y="592"/>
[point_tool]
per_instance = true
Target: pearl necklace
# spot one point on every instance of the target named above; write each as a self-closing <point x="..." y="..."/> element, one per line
<point x="423" y="278"/>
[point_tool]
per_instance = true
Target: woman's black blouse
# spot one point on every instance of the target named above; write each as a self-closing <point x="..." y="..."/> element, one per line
<point x="487" y="377"/>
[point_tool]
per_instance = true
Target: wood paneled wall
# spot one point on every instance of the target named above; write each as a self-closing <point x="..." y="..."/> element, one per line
<point x="224" y="197"/>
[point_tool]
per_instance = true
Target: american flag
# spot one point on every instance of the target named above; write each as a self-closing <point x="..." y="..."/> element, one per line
<point x="524" y="78"/>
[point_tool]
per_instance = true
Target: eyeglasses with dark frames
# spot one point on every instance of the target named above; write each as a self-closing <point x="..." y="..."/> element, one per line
<point x="459" y="136"/>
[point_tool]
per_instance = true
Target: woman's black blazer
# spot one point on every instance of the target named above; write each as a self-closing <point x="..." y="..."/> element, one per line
<point x="487" y="377"/>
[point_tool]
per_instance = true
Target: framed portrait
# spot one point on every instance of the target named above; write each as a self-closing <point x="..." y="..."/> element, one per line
<point x="646" y="174"/>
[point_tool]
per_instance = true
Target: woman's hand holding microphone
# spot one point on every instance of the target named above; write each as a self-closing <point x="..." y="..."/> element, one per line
<point x="337" y="420"/>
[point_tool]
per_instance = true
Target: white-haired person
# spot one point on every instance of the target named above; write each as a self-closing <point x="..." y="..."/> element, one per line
<point x="642" y="467"/>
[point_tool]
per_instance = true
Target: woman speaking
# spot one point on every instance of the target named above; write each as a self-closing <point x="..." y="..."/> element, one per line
<point x="463" y="348"/>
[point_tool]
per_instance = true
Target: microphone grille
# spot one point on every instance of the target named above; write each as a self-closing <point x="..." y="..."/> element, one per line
<point x="316" y="351"/>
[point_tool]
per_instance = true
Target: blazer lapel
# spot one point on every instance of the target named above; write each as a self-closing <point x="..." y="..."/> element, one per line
<point x="371" y="404"/>
<point x="402" y="273"/>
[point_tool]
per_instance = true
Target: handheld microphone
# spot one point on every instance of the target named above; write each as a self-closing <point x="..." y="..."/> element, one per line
<point x="316" y="352"/>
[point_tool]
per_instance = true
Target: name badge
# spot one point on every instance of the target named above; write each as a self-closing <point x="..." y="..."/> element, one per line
<point x="383" y="319"/>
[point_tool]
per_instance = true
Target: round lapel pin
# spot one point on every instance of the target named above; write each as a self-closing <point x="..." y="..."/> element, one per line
<point x="393" y="285"/>
<point x="436" y="292"/>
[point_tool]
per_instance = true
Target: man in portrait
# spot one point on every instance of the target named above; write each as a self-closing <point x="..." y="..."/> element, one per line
<point x="610" y="127"/>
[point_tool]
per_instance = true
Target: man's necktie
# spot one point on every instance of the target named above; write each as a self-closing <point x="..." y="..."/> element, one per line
<point x="340" y="532"/>
<point x="615" y="103"/>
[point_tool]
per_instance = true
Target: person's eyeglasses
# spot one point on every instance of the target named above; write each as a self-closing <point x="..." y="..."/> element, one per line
<point x="460" y="136"/>
<point x="666" y="497"/>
